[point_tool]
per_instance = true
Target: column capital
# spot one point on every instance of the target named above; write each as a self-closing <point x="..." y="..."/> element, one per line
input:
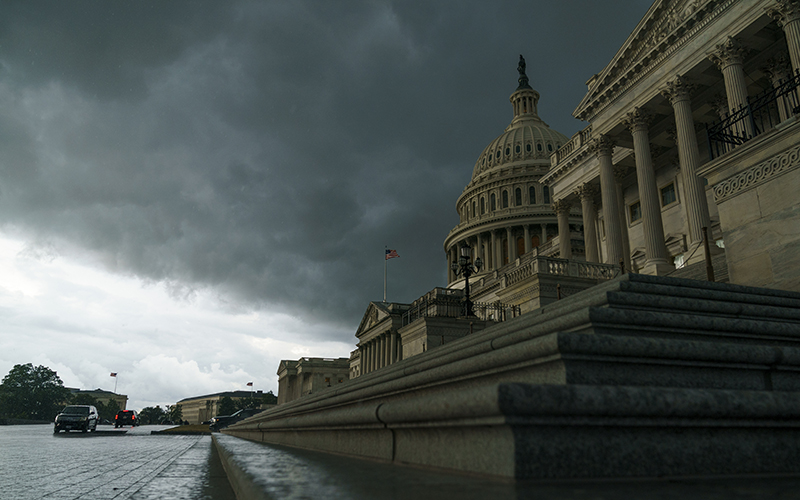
<point x="637" y="119"/>
<point x="729" y="52"/>
<point x="784" y="11"/>
<point x="778" y="68"/>
<point x="586" y="191"/>
<point x="602" y="145"/>
<point x="677" y="90"/>
<point x="562" y="206"/>
<point x="620" y="172"/>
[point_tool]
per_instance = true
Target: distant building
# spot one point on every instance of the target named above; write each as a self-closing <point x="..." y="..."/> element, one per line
<point x="103" y="396"/>
<point x="198" y="409"/>
<point x="309" y="375"/>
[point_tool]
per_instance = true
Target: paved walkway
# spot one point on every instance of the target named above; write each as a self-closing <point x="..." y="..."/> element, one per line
<point x="35" y="464"/>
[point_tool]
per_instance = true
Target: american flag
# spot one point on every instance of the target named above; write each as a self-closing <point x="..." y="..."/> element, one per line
<point x="113" y="374"/>
<point x="249" y="384"/>
<point x="391" y="254"/>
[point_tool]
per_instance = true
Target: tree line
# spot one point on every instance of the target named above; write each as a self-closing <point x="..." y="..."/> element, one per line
<point x="37" y="393"/>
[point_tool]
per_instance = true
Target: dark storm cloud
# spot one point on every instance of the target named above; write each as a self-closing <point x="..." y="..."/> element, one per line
<point x="272" y="149"/>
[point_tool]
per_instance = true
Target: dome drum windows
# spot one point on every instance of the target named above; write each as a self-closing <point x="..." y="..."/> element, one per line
<point x="505" y="199"/>
<point x="532" y="195"/>
<point x="518" y="197"/>
<point x="493" y="202"/>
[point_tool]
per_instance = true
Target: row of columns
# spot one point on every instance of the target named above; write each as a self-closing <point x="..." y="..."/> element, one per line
<point x="383" y="350"/>
<point x="729" y="58"/>
<point x="489" y="248"/>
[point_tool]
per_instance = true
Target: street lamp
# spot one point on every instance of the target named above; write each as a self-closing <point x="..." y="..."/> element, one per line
<point x="464" y="266"/>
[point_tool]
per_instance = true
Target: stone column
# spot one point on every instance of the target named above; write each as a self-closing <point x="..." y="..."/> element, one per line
<point x="496" y="263"/>
<point x="586" y="193"/>
<point x="511" y="245"/>
<point x="527" y="235"/>
<point x="393" y="353"/>
<point x="787" y="14"/>
<point x="480" y="252"/>
<point x="543" y="239"/>
<point x="374" y="355"/>
<point x="656" y="257"/>
<point x="561" y="208"/>
<point x="603" y="147"/>
<point x="778" y="70"/>
<point x="729" y="58"/>
<point x="694" y="193"/>
<point x="619" y="175"/>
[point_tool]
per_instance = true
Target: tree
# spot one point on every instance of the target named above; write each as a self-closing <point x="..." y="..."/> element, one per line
<point x="109" y="410"/>
<point x="175" y="414"/>
<point x="269" y="398"/>
<point x="152" y="415"/>
<point x="226" y="406"/>
<point x="30" y="392"/>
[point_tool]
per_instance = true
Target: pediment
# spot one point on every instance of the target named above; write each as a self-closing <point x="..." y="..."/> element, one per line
<point x="666" y="22"/>
<point x="375" y="314"/>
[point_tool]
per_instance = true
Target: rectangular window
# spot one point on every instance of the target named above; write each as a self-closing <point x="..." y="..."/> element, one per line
<point x="636" y="211"/>
<point x="668" y="195"/>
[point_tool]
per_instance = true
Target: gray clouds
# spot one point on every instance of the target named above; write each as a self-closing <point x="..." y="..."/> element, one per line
<point x="269" y="150"/>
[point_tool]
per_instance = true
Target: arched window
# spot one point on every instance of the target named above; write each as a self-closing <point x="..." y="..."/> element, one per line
<point x="505" y="199"/>
<point x="483" y="205"/>
<point x="474" y="212"/>
<point x="534" y="241"/>
<point x="532" y="195"/>
<point x="520" y="246"/>
<point x="517" y="197"/>
<point x="546" y="194"/>
<point x="493" y="203"/>
<point x="505" y="250"/>
<point x="538" y="147"/>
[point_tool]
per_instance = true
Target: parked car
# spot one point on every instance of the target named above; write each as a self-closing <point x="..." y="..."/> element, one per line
<point x="126" y="417"/>
<point x="76" y="417"/>
<point x="222" y="421"/>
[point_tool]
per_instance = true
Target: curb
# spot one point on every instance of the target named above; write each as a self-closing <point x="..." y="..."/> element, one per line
<point x="242" y="482"/>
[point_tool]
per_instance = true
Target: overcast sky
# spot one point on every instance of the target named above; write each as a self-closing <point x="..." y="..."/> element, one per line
<point x="192" y="191"/>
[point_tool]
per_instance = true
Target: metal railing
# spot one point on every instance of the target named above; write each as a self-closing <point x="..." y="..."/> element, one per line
<point x="449" y="306"/>
<point x="761" y="113"/>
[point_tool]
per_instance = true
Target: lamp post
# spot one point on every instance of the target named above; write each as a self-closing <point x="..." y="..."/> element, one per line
<point x="464" y="266"/>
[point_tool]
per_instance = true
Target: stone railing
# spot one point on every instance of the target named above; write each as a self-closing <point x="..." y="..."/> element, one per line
<point x="577" y="142"/>
<point x="561" y="267"/>
<point x="449" y="303"/>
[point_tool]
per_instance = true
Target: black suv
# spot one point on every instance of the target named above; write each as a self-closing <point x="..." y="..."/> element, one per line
<point x="126" y="417"/>
<point x="76" y="417"/>
<point x="222" y="421"/>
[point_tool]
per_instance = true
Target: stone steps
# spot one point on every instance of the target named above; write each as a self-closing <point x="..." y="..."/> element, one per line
<point x="718" y="351"/>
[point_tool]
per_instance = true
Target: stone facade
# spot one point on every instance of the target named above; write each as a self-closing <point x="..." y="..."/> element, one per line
<point x="198" y="409"/>
<point x="692" y="125"/>
<point x="309" y="376"/>
<point x="104" y="396"/>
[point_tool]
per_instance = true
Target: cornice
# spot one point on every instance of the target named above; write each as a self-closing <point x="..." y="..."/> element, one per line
<point x="672" y="30"/>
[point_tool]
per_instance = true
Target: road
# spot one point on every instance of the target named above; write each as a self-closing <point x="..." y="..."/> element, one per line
<point x="36" y="464"/>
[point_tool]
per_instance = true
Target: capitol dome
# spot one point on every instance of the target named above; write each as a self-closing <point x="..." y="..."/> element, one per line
<point x="504" y="212"/>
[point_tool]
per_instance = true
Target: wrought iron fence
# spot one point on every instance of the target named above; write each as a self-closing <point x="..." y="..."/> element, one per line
<point x="455" y="307"/>
<point x="760" y="114"/>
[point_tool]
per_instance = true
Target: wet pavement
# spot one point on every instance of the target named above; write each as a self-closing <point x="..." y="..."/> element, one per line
<point x="108" y="464"/>
<point x="285" y="473"/>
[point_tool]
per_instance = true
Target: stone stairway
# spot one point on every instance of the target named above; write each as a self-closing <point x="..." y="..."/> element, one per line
<point x="638" y="376"/>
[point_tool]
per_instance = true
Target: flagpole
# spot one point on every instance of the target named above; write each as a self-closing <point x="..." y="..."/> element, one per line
<point x="384" y="272"/>
<point x="115" y="383"/>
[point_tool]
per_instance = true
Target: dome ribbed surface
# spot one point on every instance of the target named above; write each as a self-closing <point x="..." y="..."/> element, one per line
<point x="525" y="141"/>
